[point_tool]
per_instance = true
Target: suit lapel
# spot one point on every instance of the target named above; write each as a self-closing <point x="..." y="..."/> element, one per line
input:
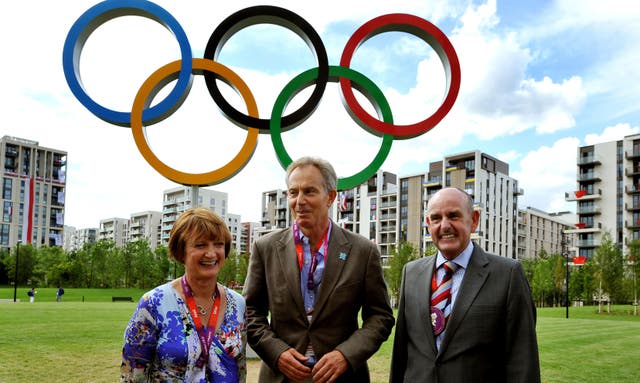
<point x="289" y="266"/>
<point x="474" y="277"/>
<point x="423" y="283"/>
<point x="338" y="253"/>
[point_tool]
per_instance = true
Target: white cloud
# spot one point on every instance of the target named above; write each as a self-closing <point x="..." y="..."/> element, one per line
<point x="611" y="133"/>
<point x="498" y="96"/>
<point x="547" y="173"/>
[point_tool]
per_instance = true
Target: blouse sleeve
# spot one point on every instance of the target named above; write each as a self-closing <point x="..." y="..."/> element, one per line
<point x="140" y="340"/>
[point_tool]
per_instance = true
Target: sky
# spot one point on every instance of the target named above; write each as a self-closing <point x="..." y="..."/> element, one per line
<point x="538" y="80"/>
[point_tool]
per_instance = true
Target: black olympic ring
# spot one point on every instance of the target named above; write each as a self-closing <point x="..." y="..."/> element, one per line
<point x="265" y="14"/>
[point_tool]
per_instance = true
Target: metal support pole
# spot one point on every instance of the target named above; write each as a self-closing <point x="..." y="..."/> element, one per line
<point x="15" y="278"/>
<point x="194" y="196"/>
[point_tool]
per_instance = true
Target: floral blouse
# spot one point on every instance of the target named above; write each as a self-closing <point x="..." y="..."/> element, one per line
<point x="161" y="343"/>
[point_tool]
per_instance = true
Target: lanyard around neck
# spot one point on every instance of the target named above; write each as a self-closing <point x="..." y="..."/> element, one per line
<point x="204" y="334"/>
<point x="297" y="238"/>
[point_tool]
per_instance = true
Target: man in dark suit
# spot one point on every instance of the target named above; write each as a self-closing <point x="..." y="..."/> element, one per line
<point x="489" y="335"/>
<point x="306" y="285"/>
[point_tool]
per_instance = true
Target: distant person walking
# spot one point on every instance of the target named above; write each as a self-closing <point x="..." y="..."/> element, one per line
<point x="59" y="294"/>
<point x="32" y="295"/>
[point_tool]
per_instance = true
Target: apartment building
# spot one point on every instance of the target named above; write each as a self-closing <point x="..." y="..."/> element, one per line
<point x="539" y="231"/>
<point x="248" y="236"/>
<point x="235" y="228"/>
<point x="145" y="226"/>
<point x="411" y="213"/>
<point x="275" y="211"/>
<point x="370" y="209"/>
<point x="33" y="193"/>
<point x="494" y="192"/>
<point x="177" y="200"/>
<point x="114" y="229"/>
<point x="607" y="193"/>
<point x="75" y="239"/>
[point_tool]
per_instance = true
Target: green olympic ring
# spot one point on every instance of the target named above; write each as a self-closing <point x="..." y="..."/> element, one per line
<point x="367" y="87"/>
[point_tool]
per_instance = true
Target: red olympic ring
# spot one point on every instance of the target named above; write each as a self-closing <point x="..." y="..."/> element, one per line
<point x="431" y="35"/>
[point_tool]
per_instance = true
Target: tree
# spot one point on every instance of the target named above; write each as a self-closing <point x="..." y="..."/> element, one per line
<point x="393" y="275"/>
<point x="165" y="266"/>
<point x="146" y="269"/>
<point x="559" y="272"/>
<point x="633" y="263"/>
<point x="234" y="269"/>
<point x="53" y="266"/>
<point x="542" y="284"/>
<point x="608" y="270"/>
<point x="26" y="264"/>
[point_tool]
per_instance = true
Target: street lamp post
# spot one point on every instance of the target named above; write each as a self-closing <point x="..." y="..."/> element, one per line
<point x="565" y="253"/>
<point x="567" y="279"/>
<point x="15" y="278"/>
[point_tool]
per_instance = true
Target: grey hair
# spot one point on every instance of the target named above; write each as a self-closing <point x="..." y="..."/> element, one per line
<point x="326" y="169"/>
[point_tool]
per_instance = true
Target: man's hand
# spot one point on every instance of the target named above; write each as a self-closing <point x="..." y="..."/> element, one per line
<point x="290" y="364"/>
<point x="329" y="367"/>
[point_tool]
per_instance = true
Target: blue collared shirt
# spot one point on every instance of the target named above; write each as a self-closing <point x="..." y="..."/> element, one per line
<point x="462" y="261"/>
<point x="310" y="297"/>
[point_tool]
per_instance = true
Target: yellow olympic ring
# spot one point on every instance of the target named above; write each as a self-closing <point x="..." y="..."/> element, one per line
<point x="152" y="86"/>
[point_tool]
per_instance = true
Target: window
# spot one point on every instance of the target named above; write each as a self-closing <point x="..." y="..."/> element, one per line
<point x="7" y="184"/>
<point x="7" y="209"/>
<point x="4" y="234"/>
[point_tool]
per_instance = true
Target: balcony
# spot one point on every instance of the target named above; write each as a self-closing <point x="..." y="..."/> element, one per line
<point x="437" y="181"/>
<point x="582" y="195"/>
<point x="632" y="189"/>
<point x="588" y="243"/>
<point x="633" y="207"/>
<point x="632" y="171"/>
<point x="582" y="228"/>
<point x="588" y="210"/>
<point x="589" y="160"/>
<point x="389" y="228"/>
<point x="635" y="154"/>
<point x="588" y="177"/>
<point x="632" y="225"/>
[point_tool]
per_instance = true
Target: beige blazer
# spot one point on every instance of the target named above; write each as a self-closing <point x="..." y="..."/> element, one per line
<point x="352" y="281"/>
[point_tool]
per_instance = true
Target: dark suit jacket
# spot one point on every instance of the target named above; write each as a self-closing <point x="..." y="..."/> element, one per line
<point x="353" y="280"/>
<point x="491" y="332"/>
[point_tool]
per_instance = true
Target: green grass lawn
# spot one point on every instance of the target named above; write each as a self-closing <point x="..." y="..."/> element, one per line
<point x="76" y="341"/>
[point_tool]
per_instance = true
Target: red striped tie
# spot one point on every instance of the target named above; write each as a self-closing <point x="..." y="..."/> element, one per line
<point x="441" y="298"/>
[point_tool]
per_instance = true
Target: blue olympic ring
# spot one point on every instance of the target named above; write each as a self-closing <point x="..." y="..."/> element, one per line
<point x="100" y="14"/>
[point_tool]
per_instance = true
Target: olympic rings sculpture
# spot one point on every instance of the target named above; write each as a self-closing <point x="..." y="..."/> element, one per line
<point x="182" y="71"/>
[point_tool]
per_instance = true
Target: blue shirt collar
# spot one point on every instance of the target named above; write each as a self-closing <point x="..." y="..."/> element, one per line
<point x="462" y="260"/>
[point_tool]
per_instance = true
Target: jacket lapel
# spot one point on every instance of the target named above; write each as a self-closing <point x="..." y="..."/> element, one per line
<point x="289" y="266"/>
<point x="423" y="283"/>
<point x="474" y="277"/>
<point x="338" y="253"/>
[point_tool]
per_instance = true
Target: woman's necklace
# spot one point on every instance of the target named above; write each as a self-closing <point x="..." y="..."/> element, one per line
<point x="203" y="309"/>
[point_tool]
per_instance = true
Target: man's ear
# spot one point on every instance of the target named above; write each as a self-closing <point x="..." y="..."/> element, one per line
<point x="475" y="217"/>
<point x="332" y="196"/>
